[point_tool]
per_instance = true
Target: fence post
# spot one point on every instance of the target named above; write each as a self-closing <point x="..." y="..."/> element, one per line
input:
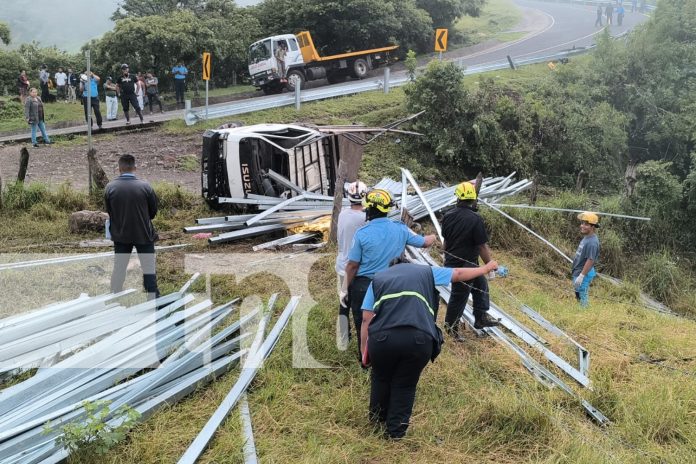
<point x="387" y="73"/>
<point x="298" y="90"/>
<point x="23" y="164"/>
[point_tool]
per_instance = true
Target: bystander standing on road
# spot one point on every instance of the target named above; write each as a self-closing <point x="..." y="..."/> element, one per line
<point x="140" y="91"/>
<point x="126" y="84"/>
<point x="132" y="205"/>
<point x="152" y="90"/>
<point x="34" y="114"/>
<point x="180" y="72"/>
<point x="600" y="13"/>
<point x="23" y="85"/>
<point x="620" y="12"/>
<point x="61" y="82"/>
<point x="73" y="86"/>
<point x="110" y="90"/>
<point x="609" y="11"/>
<point x="90" y="96"/>
<point x="43" y="80"/>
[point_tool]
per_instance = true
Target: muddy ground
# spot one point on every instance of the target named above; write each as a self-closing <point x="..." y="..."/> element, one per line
<point x="159" y="157"/>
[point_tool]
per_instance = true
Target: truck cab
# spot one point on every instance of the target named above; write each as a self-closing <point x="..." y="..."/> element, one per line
<point x="264" y="68"/>
<point x="235" y="161"/>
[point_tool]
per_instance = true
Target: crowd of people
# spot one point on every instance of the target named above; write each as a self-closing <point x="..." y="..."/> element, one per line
<point x="137" y="90"/>
<point x="394" y="304"/>
<point x="606" y="11"/>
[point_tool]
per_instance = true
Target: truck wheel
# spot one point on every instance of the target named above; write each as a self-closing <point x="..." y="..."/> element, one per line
<point x="295" y="77"/>
<point x="359" y="69"/>
<point x="335" y="77"/>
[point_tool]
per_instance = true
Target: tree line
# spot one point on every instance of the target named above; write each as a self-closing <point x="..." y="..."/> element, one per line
<point x="619" y="122"/>
<point x="154" y="34"/>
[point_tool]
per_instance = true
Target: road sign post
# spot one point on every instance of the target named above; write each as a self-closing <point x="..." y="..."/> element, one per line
<point x="441" y="41"/>
<point x="206" y="78"/>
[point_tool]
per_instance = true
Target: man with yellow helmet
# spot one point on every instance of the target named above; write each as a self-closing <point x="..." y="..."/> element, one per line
<point x="465" y="240"/>
<point x="583" y="270"/>
<point x="375" y="245"/>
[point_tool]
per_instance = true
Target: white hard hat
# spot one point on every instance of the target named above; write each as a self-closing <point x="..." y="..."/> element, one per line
<point x="355" y="191"/>
<point x="83" y="77"/>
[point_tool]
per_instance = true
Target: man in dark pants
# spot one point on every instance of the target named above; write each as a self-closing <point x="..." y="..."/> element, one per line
<point x="398" y="328"/>
<point x="90" y="96"/>
<point x="180" y="72"/>
<point x="132" y="204"/>
<point x="375" y="246"/>
<point x="465" y="239"/>
<point x="125" y="84"/>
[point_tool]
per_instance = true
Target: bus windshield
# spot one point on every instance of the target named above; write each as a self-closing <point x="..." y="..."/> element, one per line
<point x="260" y="51"/>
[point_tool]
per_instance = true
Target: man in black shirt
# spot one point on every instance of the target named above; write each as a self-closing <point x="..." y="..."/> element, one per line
<point x="132" y="204"/>
<point x="465" y="240"/>
<point x="126" y="84"/>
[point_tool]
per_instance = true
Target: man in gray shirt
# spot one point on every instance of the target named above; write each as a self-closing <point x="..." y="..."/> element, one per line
<point x="132" y="204"/>
<point x="350" y="220"/>
<point x="586" y="256"/>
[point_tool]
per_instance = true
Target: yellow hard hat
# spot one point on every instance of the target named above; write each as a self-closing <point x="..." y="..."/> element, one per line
<point x="465" y="191"/>
<point x="590" y="218"/>
<point x="378" y="198"/>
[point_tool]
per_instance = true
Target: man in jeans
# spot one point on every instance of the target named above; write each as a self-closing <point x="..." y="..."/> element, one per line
<point x="132" y="204"/>
<point x="180" y="72"/>
<point x="61" y="82"/>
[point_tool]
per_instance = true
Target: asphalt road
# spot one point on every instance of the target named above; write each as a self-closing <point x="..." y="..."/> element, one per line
<point x="548" y="27"/>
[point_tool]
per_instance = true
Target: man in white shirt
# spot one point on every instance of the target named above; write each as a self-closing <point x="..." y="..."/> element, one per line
<point x="61" y="81"/>
<point x="350" y="220"/>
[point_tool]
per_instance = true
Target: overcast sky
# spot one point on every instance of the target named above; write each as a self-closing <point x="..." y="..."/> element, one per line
<point x="66" y="24"/>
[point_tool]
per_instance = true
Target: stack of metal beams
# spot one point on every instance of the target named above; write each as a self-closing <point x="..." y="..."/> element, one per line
<point x="281" y="214"/>
<point x="155" y="354"/>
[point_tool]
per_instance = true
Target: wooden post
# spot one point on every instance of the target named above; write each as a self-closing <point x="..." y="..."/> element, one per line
<point x="0" y="192"/>
<point x="341" y="176"/>
<point x="535" y="189"/>
<point x="97" y="177"/>
<point x="23" y="164"/>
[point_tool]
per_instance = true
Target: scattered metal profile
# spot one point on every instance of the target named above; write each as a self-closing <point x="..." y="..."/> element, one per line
<point x="248" y="373"/>
<point x="548" y="208"/>
<point x="290" y="239"/>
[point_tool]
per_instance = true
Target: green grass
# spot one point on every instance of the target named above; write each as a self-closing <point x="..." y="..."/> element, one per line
<point x="497" y="18"/>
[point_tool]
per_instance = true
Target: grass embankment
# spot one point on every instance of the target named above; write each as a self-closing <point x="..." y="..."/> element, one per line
<point x="496" y="21"/>
<point x="476" y="403"/>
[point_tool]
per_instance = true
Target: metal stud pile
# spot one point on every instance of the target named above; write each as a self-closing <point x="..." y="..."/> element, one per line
<point x="190" y="343"/>
<point x="282" y="214"/>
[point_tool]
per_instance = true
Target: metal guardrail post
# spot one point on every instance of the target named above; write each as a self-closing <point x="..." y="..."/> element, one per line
<point x="387" y="73"/>
<point x="298" y="92"/>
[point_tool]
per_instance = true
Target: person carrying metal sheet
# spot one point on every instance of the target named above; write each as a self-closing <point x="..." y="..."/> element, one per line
<point x="349" y="221"/>
<point x="400" y="335"/>
<point x="465" y="241"/>
<point x="586" y="256"/>
<point x="375" y="246"/>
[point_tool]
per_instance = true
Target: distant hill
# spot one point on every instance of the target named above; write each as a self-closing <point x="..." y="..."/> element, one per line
<point x="67" y="25"/>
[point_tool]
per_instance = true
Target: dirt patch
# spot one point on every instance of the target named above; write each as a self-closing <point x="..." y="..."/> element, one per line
<point x="159" y="157"/>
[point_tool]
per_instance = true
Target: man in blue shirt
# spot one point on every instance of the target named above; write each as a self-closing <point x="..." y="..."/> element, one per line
<point x="91" y="101"/>
<point x="180" y="72"/>
<point x="583" y="270"/>
<point x="376" y="245"/>
<point x="399" y="313"/>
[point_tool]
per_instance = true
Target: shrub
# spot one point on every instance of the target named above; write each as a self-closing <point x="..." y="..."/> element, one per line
<point x="661" y="277"/>
<point x="172" y="196"/>
<point x="18" y="196"/>
<point x="11" y="110"/>
<point x="43" y="211"/>
<point x="93" y="435"/>
<point x="68" y="199"/>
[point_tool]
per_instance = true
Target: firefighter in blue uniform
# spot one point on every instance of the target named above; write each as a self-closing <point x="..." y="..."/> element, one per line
<point x="399" y="331"/>
<point x="375" y="245"/>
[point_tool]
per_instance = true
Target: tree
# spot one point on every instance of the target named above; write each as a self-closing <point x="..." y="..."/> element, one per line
<point x="338" y="27"/>
<point x="445" y="13"/>
<point x="5" y="33"/>
<point x="11" y="63"/>
<point x="141" y="8"/>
